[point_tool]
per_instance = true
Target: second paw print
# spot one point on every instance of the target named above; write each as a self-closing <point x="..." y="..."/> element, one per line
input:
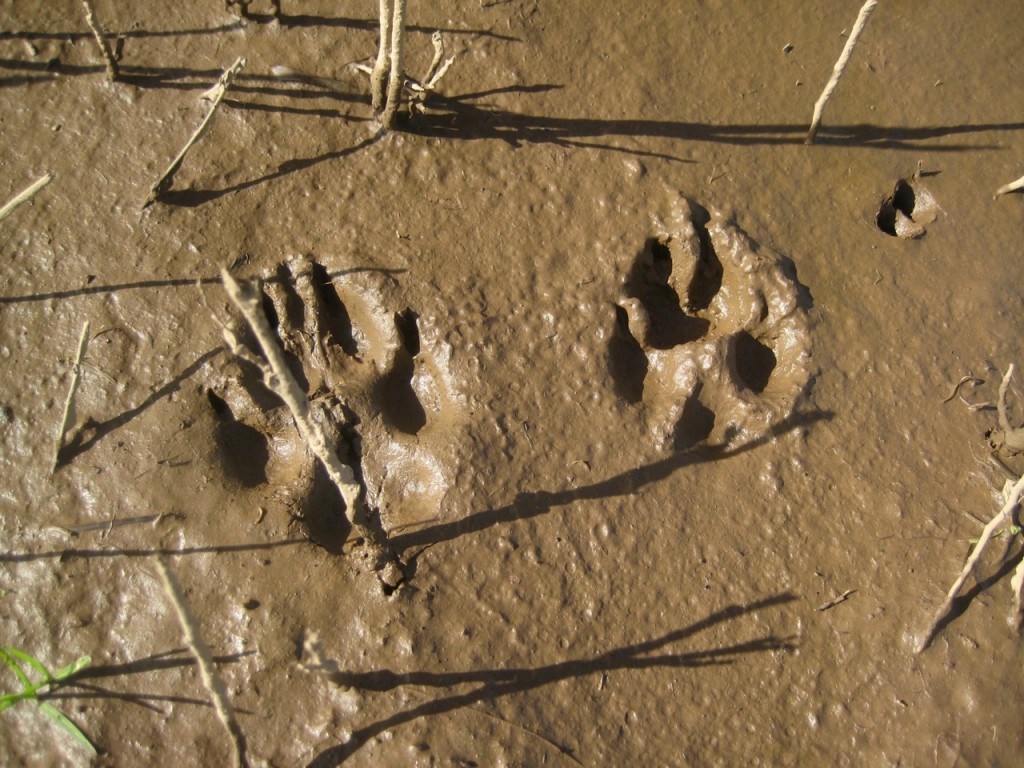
<point x="711" y="338"/>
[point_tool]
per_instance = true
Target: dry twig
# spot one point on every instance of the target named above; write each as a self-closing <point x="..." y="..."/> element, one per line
<point x="1001" y="517"/>
<point x="215" y="95"/>
<point x="68" y="417"/>
<point x="280" y="380"/>
<point x="396" y="62"/>
<point x="837" y="71"/>
<point x="101" y="40"/>
<point x="1011" y="497"/>
<point x="836" y="601"/>
<point x="211" y="680"/>
<point x="24" y="196"/>
<point x="1013" y="186"/>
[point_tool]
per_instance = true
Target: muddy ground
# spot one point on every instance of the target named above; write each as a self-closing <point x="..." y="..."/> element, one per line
<point x="632" y="375"/>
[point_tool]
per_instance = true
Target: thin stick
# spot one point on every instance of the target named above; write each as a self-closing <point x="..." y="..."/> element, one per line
<point x="69" y="404"/>
<point x="1013" y="186"/>
<point x="836" y="601"/>
<point x="24" y="196"/>
<point x="101" y="40"/>
<point x="837" y="71"/>
<point x="211" y="680"/>
<point x="280" y="380"/>
<point x="1012" y="500"/>
<point x="1017" y="583"/>
<point x="379" y="75"/>
<point x="216" y="95"/>
<point x="395" y="73"/>
<point x="1004" y="386"/>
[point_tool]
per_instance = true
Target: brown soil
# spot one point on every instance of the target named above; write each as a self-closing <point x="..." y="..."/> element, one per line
<point x="632" y="375"/>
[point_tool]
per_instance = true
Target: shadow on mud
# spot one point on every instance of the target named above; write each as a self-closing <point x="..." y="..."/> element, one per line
<point x="491" y="684"/>
<point x="77" y="687"/>
<point x="534" y="504"/>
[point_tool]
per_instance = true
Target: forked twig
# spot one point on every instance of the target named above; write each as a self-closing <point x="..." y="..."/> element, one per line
<point x="211" y="680"/>
<point x="837" y="71"/>
<point x="25" y="195"/>
<point x="68" y="415"/>
<point x="280" y="380"/>
<point x="215" y="95"/>
<point x="101" y="40"/>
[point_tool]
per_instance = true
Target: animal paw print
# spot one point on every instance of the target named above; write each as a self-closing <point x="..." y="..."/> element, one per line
<point x="378" y="384"/>
<point x="711" y="334"/>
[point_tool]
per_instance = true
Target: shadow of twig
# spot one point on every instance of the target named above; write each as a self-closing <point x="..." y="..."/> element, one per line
<point x="93" y="431"/>
<point x="496" y="683"/>
<point x="532" y="504"/>
<point x="176" y="282"/>
<point x="173" y="659"/>
<point x="69" y="553"/>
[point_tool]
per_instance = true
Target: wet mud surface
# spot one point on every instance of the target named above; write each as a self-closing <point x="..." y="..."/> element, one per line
<point x="636" y="381"/>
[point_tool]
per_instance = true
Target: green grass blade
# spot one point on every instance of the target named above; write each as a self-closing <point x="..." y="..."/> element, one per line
<point x="65" y="672"/>
<point x="60" y="719"/>
<point x="9" y="700"/>
<point x="31" y="661"/>
<point x="14" y="665"/>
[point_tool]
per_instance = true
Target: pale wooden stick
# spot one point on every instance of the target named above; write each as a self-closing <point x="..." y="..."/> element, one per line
<point x="215" y="94"/>
<point x="24" y="196"/>
<point x="211" y="680"/>
<point x="69" y="404"/>
<point x="1004" y="514"/>
<point x="280" y="380"/>
<point x="1004" y="386"/>
<point x="379" y="75"/>
<point x="101" y="40"/>
<point x="1017" y="584"/>
<point x="395" y="73"/>
<point x="1013" y="186"/>
<point x="837" y="71"/>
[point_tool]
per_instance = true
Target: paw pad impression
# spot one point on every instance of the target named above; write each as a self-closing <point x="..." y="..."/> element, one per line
<point x="711" y="335"/>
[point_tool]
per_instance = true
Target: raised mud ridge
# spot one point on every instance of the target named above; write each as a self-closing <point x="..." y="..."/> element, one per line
<point x="712" y="336"/>
<point x="378" y="380"/>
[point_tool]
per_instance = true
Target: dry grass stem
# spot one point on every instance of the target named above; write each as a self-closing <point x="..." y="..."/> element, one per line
<point x="1013" y="186"/>
<point x="211" y="680"/>
<point x="388" y="118"/>
<point x="1017" y="584"/>
<point x="68" y="417"/>
<point x="24" y="196"/>
<point x="1004" y="387"/>
<point x="379" y="73"/>
<point x="215" y="95"/>
<point x="836" y="601"/>
<point x="837" y="71"/>
<point x="101" y="40"/>
<point x="280" y="380"/>
<point x="1012" y="501"/>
